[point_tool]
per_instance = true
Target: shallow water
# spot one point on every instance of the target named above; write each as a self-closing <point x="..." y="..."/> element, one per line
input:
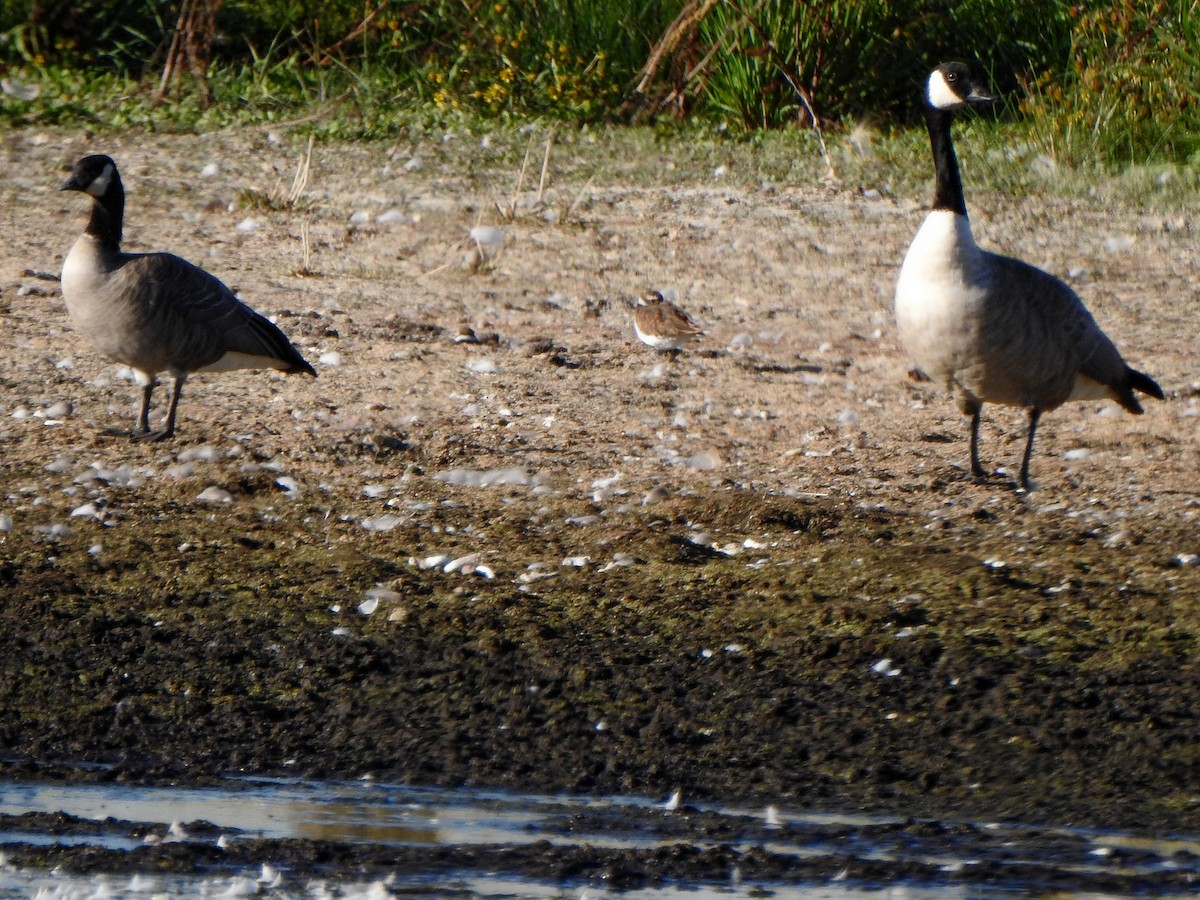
<point x="556" y="846"/>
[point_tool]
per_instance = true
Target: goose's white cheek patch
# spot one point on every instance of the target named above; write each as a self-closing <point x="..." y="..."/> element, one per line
<point x="101" y="182"/>
<point x="941" y="95"/>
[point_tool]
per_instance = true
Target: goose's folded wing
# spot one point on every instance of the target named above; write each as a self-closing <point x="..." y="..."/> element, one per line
<point x="199" y="318"/>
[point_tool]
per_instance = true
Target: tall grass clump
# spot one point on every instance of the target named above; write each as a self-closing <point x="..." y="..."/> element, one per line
<point x="778" y="61"/>
<point x="1131" y="90"/>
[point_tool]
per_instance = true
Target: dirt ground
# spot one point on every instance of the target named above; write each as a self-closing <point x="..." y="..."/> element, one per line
<point x="758" y="570"/>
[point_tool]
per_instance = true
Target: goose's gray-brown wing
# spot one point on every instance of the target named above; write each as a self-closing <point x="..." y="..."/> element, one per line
<point x="190" y="320"/>
<point x="1039" y="332"/>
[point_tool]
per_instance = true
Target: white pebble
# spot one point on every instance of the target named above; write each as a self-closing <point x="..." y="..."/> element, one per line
<point x="385" y="522"/>
<point x="577" y="562"/>
<point x="210" y="171"/>
<point x="484" y="478"/>
<point x="483" y="366"/>
<point x="360" y="218"/>
<point x="330" y="358"/>
<point x="488" y="235"/>
<point x="6" y="522"/>
<point x="19" y="90"/>
<point x="59" y="410"/>
<point x="203" y="453"/>
<point x="433" y="562"/>
<point x="392" y="215"/>
<point x="1079" y="453"/>
<point x="289" y="484"/>
<point x="885" y="667"/>
<point x="246" y="226"/>
<point x="214" y="495"/>
<point x="704" y="461"/>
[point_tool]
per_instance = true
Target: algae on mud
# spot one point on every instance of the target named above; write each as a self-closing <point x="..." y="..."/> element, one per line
<point x="1031" y="693"/>
<point x="753" y="529"/>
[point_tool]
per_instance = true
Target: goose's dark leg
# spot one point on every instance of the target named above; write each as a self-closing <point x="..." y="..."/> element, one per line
<point x="143" y="419"/>
<point x="145" y="434"/>
<point x="1034" y="415"/>
<point x="976" y="469"/>
<point x="177" y="389"/>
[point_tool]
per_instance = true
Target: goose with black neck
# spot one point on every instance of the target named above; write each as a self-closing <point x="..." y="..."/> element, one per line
<point x="157" y="312"/>
<point x="991" y="328"/>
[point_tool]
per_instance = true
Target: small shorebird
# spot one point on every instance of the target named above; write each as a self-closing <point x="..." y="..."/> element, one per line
<point x="663" y="325"/>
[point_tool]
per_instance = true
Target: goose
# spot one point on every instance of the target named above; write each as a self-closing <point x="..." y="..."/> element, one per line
<point x="662" y="325"/>
<point x="991" y="328"/>
<point x="156" y="312"/>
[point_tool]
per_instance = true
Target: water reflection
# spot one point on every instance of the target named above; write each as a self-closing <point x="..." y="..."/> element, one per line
<point x="365" y="813"/>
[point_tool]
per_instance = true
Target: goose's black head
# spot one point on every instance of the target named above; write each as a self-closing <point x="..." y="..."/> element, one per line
<point x="952" y="86"/>
<point x="95" y="175"/>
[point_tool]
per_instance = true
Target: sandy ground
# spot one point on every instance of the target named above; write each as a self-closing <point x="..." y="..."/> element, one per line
<point x="790" y="456"/>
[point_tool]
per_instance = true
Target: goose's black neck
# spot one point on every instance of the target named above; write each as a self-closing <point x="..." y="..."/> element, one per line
<point x="108" y="213"/>
<point x="948" y="193"/>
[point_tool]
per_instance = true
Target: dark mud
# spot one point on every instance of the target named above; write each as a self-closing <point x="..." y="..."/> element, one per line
<point x="928" y="681"/>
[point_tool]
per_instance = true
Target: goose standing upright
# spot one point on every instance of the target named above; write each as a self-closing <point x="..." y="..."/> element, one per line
<point x="991" y="328"/>
<point x="156" y="312"/>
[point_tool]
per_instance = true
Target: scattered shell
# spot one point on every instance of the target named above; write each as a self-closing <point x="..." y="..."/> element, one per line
<point x="381" y="593"/>
<point x="246" y="226"/>
<point x="6" y="522"/>
<point x="433" y="562"/>
<point x="210" y="171"/>
<point x="465" y="564"/>
<point x="390" y="216"/>
<point x="577" y="561"/>
<point x="368" y="606"/>
<point x="330" y="358"/>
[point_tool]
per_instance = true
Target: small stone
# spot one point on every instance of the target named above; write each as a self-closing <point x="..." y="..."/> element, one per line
<point x="214" y="496"/>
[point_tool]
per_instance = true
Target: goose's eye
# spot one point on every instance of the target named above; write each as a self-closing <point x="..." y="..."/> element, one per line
<point x="951" y="76"/>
